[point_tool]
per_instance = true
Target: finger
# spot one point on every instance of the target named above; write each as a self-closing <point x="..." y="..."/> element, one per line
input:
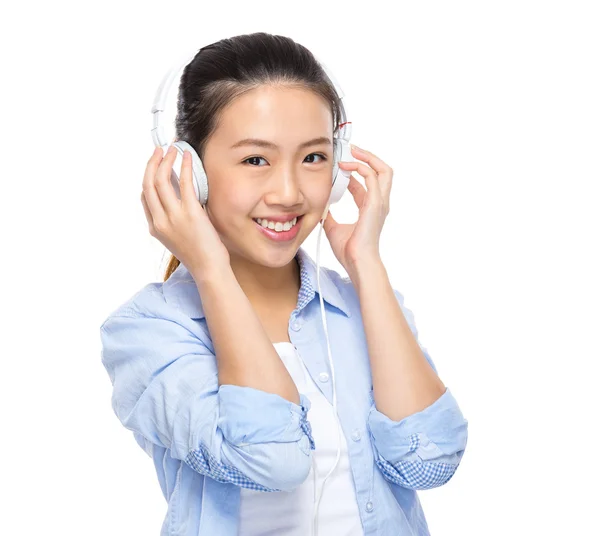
<point x="375" y="162"/>
<point x="384" y="171"/>
<point x="368" y="173"/>
<point x="148" y="187"/>
<point x="147" y="212"/>
<point x="329" y="223"/>
<point x="186" y="185"/>
<point x="162" y="182"/>
<point x="152" y="165"/>
<point x="357" y="190"/>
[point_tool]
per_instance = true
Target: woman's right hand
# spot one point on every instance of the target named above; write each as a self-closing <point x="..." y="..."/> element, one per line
<point x="181" y="225"/>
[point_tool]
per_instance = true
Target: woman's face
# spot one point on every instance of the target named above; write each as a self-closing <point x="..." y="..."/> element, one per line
<point x="253" y="181"/>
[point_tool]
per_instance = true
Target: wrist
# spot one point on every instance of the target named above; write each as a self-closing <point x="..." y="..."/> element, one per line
<point x="211" y="275"/>
<point x="365" y="269"/>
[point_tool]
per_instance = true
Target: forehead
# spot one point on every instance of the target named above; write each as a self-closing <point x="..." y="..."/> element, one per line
<point x="273" y="112"/>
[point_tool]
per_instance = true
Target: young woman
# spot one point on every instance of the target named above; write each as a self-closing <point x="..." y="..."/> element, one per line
<point x="221" y="370"/>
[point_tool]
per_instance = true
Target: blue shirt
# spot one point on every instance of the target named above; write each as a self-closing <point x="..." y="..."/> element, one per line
<point x="207" y="441"/>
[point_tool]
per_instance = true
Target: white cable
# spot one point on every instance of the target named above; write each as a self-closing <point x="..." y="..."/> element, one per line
<point x="316" y="505"/>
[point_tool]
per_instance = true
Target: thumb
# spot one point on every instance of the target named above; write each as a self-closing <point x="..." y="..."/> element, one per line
<point x="330" y="223"/>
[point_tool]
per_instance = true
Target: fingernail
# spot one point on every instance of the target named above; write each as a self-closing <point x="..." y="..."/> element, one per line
<point x="171" y="149"/>
<point x="356" y="148"/>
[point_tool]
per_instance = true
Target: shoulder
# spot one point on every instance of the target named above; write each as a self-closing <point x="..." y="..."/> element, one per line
<point x="150" y="302"/>
<point x="342" y="282"/>
<point x="144" y="302"/>
<point x="147" y="301"/>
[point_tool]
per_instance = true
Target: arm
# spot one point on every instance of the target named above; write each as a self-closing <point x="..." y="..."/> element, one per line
<point x="418" y="431"/>
<point x="166" y="390"/>
<point x="245" y="355"/>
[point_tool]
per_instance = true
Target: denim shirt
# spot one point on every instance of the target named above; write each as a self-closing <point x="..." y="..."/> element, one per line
<point x="208" y="441"/>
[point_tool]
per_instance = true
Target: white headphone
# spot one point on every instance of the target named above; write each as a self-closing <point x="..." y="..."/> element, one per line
<point x="341" y="152"/>
<point x="340" y="180"/>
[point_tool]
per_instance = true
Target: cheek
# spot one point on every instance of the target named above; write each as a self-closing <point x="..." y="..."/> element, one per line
<point x="231" y="206"/>
<point x="318" y="192"/>
<point x="240" y="203"/>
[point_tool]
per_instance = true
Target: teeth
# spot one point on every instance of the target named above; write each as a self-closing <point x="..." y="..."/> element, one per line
<point x="277" y="226"/>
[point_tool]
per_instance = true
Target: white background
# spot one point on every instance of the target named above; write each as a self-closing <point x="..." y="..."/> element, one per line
<point x="489" y="114"/>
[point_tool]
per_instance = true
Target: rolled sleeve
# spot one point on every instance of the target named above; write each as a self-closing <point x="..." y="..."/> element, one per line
<point x="248" y="416"/>
<point x="424" y="449"/>
<point x="265" y="441"/>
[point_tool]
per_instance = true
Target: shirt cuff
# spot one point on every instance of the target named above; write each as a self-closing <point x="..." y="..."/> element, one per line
<point x="438" y="432"/>
<point x="249" y="416"/>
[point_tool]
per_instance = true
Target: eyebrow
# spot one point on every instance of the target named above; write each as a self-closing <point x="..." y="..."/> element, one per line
<point x="270" y="145"/>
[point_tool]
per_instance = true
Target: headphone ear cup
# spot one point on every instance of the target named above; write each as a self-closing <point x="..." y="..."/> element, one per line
<point x="199" y="179"/>
<point x="341" y="177"/>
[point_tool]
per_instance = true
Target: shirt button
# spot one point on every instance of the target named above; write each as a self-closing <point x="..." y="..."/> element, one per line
<point x="323" y="377"/>
<point x="356" y="435"/>
<point x="296" y="326"/>
<point x="369" y="506"/>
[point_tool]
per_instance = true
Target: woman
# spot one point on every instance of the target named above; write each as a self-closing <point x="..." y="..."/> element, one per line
<point x="220" y="370"/>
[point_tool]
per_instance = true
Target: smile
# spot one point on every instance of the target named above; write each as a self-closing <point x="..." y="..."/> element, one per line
<point x="286" y="231"/>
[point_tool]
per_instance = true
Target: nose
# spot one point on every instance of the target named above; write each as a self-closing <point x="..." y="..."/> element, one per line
<point x="284" y="189"/>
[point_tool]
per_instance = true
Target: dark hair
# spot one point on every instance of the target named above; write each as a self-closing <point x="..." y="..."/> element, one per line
<point x="226" y="69"/>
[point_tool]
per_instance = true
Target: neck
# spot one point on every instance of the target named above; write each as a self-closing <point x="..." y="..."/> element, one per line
<point x="263" y="284"/>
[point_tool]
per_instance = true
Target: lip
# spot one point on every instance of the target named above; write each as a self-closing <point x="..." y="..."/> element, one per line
<point x="283" y="218"/>
<point x="282" y="236"/>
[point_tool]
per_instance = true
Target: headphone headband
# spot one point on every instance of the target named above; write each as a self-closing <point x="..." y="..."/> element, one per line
<point x="160" y="99"/>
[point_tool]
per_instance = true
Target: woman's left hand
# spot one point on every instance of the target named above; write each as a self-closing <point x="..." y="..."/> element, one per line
<point x="358" y="241"/>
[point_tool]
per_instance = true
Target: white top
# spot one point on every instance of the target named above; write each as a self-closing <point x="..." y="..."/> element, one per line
<point x="291" y="513"/>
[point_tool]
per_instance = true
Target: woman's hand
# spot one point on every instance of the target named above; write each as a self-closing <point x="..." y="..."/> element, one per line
<point x="181" y="225"/>
<point x="358" y="241"/>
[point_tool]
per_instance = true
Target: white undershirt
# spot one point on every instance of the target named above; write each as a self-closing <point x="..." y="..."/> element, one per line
<point x="291" y="513"/>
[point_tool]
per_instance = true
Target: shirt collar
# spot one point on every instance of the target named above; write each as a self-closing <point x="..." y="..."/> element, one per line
<point x="180" y="289"/>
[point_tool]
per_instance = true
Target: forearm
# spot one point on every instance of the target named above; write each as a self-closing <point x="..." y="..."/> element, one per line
<point x="245" y="355"/>
<point x="403" y="381"/>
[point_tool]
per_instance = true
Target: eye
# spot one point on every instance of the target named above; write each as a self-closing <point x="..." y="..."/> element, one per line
<point x="322" y="156"/>
<point x="253" y="158"/>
